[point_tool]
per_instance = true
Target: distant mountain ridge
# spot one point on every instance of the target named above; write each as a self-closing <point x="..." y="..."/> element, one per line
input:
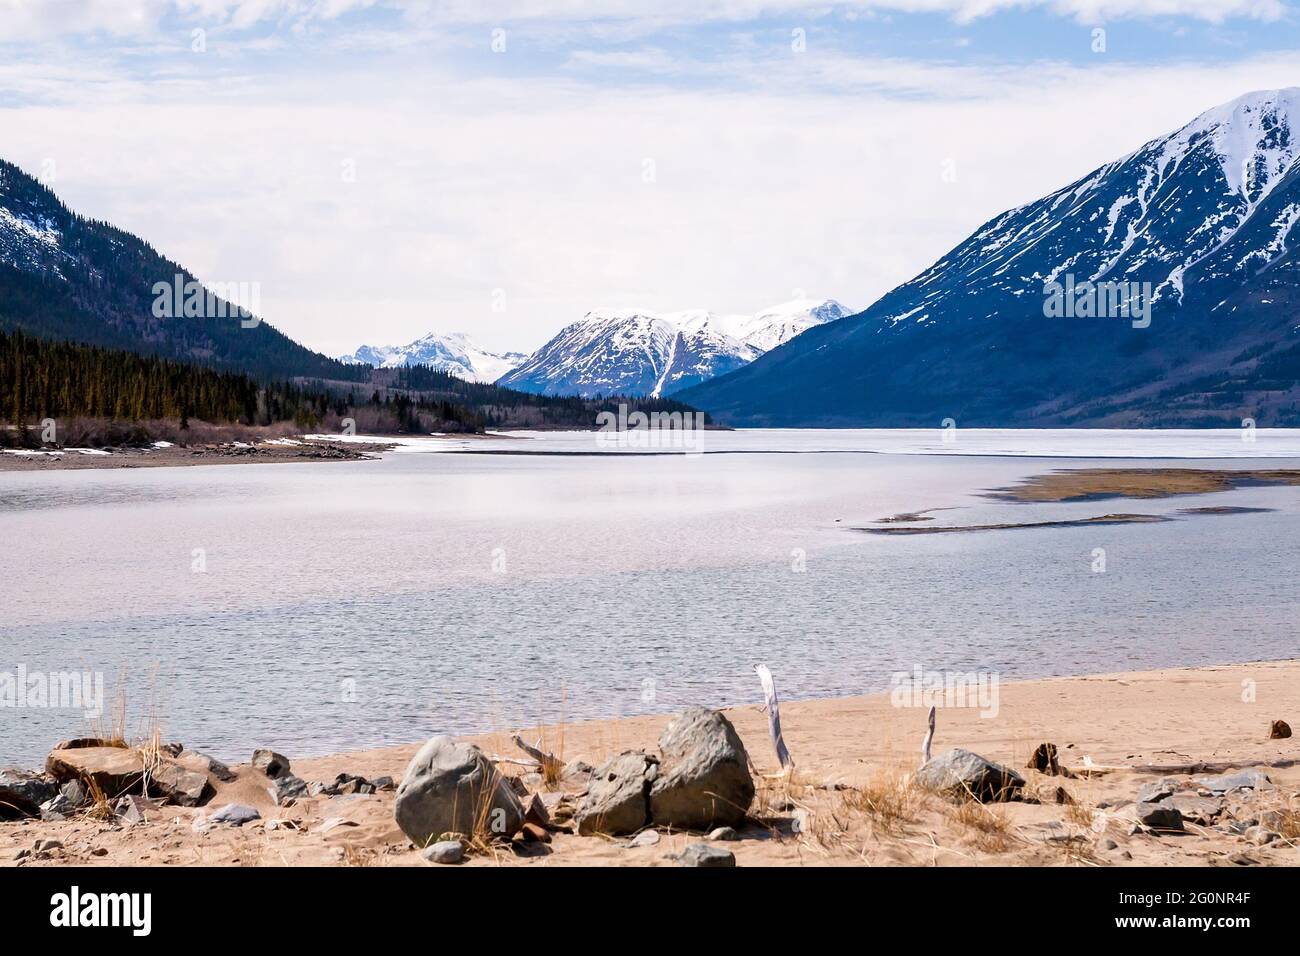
<point x="1205" y="216"/>
<point x="63" y="276"/>
<point x="454" y="353"/>
<point x="638" y="352"/>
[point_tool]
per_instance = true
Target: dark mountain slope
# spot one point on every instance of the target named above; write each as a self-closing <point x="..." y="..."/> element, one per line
<point x="1202" y="219"/>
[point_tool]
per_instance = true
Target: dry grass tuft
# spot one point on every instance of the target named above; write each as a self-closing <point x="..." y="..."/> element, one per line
<point x="890" y="800"/>
<point x="988" y="827"/>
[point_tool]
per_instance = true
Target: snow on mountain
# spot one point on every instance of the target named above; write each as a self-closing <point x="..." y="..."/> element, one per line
<point x="634" y="352"/>
<point x="1206" y="215"/>
<point x="455" y="353"/>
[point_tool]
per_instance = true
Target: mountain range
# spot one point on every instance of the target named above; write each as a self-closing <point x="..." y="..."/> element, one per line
<point x="1200" y="222"/>
<point x="635" y="352"/>
<point x="454" y="353"/>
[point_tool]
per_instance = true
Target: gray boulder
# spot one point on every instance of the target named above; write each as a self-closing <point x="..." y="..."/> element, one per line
<point x="449" y="786"/>
<point x="618" y="795"/>
<point x="446" y="851"/>
<point x="176" y="784"/>
<point x="1157" y="790"/>
<point x="22" y="793"/>
<point x="284" y="790"/>
<point x="236" y="814"/>
<point x="1160" y="815"/>
<point x="959" y="771"/>
<point x="704" y="780"/>
<point x="704" y="855"/>
<point x="204" y="763"/>
<point x="271" y="763"/>
<point x="1242" y="780"/>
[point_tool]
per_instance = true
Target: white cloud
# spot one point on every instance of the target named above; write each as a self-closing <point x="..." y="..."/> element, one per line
<point x="822" y="172"/>
<point x="25" y="19"/>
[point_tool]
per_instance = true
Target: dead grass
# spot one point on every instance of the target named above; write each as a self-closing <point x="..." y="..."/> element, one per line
<point x="890" y="801"/>
<point x="988" y="828"/>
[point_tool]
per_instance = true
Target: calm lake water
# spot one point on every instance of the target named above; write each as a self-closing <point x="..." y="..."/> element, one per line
<point x="319" y="607"/>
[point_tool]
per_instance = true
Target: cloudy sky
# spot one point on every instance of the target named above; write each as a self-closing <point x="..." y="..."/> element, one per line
<point x="386" y="168"/>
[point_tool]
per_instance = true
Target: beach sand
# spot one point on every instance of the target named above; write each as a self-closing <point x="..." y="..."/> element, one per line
<point x="850" y="800"/>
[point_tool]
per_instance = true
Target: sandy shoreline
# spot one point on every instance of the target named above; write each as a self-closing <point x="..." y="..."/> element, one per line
<point x="853" y="756"/>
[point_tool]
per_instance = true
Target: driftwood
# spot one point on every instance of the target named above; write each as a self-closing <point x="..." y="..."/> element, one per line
<point x="551" y="765"/>
<point x="929" y="739"/>
<point x="773" y="709"/>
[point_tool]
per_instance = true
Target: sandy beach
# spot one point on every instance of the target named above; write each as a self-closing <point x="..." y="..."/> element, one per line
<point x="850" y="800"/>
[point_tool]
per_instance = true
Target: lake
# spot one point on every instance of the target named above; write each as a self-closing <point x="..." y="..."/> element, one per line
<point x="319" y="607"/>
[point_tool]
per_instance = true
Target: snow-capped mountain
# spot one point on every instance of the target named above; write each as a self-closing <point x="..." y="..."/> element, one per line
<point x="67" y="277"/>
<point x="1205" y="215"/>
<point x="631" y="352"/>
<point x="455" y="353"/>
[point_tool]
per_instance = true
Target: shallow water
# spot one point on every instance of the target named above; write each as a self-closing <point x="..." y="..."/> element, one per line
<point x="327" y="606"/>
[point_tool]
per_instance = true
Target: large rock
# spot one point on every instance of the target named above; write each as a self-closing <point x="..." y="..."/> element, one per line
<point x="703" y="855"/>
<point x="115" y="770"/>
<point x="271" y="763"/>
<point x="704" y="780"/>
<point x="176" y="784"/>
<point x="960" y="771"/>
<point x="1253" y="779"/>
<point x="22" y="793"/>
<point x="618" y="795"/>
<point x="449" y="786"/>
<point x="1160" y="815"/>
<point x="206" y="764"/>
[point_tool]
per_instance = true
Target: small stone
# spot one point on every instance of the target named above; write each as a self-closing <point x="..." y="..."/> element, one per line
<point x="532" y="833"/>
<point x="1280" y="730"/>
<point x="270" y="763"/>
<point x="1107" y="844"/>
<point x="1044" y="760"/>
<point x="1260" y="836"/>
<point x="644" y="838"/>
<point x="1158" y="790"/>
<point x="383" y="783"/>
<point x="99" y="851"/>
<point x="286" y="789"/>
<point x="447" y="852"/>
<point x="535" y="812"/>
<point x="724" y="833"/>
<point x="703" y="855"/>
<point x="234" y="813"/>
<point x="49" y="844"/>
<point x="22" y="854"/>
<point x="74" y="791"/>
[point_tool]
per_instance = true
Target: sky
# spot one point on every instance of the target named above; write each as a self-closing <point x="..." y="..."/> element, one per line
<point x="388" y="168"/>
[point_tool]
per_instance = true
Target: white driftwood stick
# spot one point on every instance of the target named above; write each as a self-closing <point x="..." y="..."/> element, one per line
<point x="548" y="762"/>
<point x="929" y="739"/>
<point x="773" y="709"/>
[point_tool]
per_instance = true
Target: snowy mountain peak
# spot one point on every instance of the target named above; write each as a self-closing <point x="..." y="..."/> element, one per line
<point x="454" y="352"/>
<point x="634" y="351"/>
<point x="1255" y="137"/>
